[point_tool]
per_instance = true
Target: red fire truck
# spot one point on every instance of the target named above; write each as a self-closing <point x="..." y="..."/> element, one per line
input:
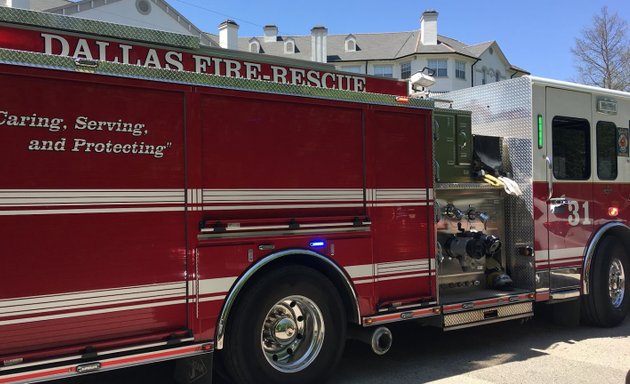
<point x="165" y="201"/>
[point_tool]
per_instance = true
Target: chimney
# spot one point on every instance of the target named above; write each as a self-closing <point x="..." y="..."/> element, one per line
<point x="228" y="34"/>
<point x="428" y="27"/>
<point x="271" y="33"/>
<point x="24" y="4"/>
<point x="318" y="44"/>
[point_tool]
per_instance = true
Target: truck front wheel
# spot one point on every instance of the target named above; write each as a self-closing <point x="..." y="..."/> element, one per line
<point x="289" y="327"/>
<point x="609" y="301"/>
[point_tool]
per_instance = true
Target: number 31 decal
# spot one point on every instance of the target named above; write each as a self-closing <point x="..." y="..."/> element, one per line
<point x="574" y="213"/>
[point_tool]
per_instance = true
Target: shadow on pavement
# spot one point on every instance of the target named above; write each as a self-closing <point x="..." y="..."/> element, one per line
<point x="419" y="354"/>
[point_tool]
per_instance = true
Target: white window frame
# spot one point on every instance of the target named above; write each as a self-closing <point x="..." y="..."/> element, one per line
<point x="438" y="70"/>
<point x="406" y="63"/>
<point x="289" y="46"/>
<point x="460" y="70"/>
<point x="254" y="46"/>
<point x="350" y="40"/>
<point x="352" y="68"/>
<point x="383" y="70"/>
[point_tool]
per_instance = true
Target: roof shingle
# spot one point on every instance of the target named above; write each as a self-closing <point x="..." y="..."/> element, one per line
<point x="370" y="46"/>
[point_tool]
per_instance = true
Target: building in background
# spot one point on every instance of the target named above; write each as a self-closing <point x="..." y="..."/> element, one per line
<point x="455" y="65"/>
<point x="35" y="5"/>
<point x="154" y="14"/>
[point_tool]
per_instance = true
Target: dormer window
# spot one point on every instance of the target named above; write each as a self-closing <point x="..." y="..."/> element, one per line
<point x="351" y="43"/>
<point x="254" y="46"/>
<point x="289" y="46"/>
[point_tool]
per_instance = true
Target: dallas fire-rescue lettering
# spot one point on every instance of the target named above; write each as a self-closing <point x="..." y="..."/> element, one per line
<point x="182" y="61"/>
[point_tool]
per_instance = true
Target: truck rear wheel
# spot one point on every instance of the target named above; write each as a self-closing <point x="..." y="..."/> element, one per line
<point x="289" y="327"/>
<point x="608" y="302"/>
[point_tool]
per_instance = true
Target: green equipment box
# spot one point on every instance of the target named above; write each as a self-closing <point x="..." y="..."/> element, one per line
<point x="452" y="146"/>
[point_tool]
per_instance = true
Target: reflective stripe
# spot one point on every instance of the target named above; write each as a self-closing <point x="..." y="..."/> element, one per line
<point x="278" y="206"/>
<point x="561" y="253"/>
<point x="280" y="195"/>
<point x="400" y="277"/>
<point x="89" y="210"/>
<point x="86" y="201"/>
<point x="76" y="304"/>
<point x="356" y="271"/>
<point x="92" y="312"/>
<point x="86" y="303"/>
<point x="107" y="364"/>
<point x="218" y="196"/>
<point x="419" y="204"/>
<point x="394" y="270"/>
<point x="566" y="252"/>
<point x="211" y="298"/>
<point x="398" y="194"/>
<point x="55" y="197"/>
<point x="68" y="299"/>
<point x="402" y="266"/>
<point x="217" y="285"/>
<point x="568" y="260"/>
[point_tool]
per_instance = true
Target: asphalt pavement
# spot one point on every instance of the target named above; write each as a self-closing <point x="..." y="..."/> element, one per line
<point x="534" y="352"/>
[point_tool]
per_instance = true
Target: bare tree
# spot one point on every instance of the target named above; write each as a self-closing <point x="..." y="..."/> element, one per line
<point x="602" y="53"/>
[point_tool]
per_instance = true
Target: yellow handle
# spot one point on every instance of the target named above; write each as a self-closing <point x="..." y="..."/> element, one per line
<point x="492" y="181"/>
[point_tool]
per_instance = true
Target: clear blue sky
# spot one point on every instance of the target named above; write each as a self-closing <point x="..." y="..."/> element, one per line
<point x="536" y="35"/>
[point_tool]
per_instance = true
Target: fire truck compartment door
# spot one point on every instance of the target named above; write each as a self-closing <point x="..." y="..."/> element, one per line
<point x="92" y="212"/>
<point x="569" y="150"/>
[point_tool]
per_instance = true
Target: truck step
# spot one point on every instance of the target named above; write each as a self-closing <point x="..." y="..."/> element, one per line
<point x="490" y="315"/>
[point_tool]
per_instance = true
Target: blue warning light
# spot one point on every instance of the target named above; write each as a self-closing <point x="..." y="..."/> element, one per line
<point x="317" y="244"/>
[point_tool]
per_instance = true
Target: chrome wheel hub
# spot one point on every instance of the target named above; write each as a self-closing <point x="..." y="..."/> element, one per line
<point x="292" y="334"/>
<point x="616" y="283"/>
<point x="285" y="331"/>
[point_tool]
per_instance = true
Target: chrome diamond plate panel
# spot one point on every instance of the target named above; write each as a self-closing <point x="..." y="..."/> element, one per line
<point x="480" y="315"/>
<point x="504" y="109"/>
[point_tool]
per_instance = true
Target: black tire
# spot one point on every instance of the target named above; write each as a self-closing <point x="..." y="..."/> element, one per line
<point x="251" y="321"/>
<point x="600" y="307"/>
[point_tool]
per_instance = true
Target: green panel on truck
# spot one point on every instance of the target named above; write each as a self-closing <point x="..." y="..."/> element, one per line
<point x="452" y="146"/>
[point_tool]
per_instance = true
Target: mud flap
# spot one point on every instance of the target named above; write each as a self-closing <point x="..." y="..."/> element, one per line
<point x="196" y="370"/>
<point x="564" y="313"/>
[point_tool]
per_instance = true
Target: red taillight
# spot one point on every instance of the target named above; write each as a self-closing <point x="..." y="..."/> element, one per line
<point x="613" y="211"/>
<point x="207" y="347"/>
<point x="402" y="99"/>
